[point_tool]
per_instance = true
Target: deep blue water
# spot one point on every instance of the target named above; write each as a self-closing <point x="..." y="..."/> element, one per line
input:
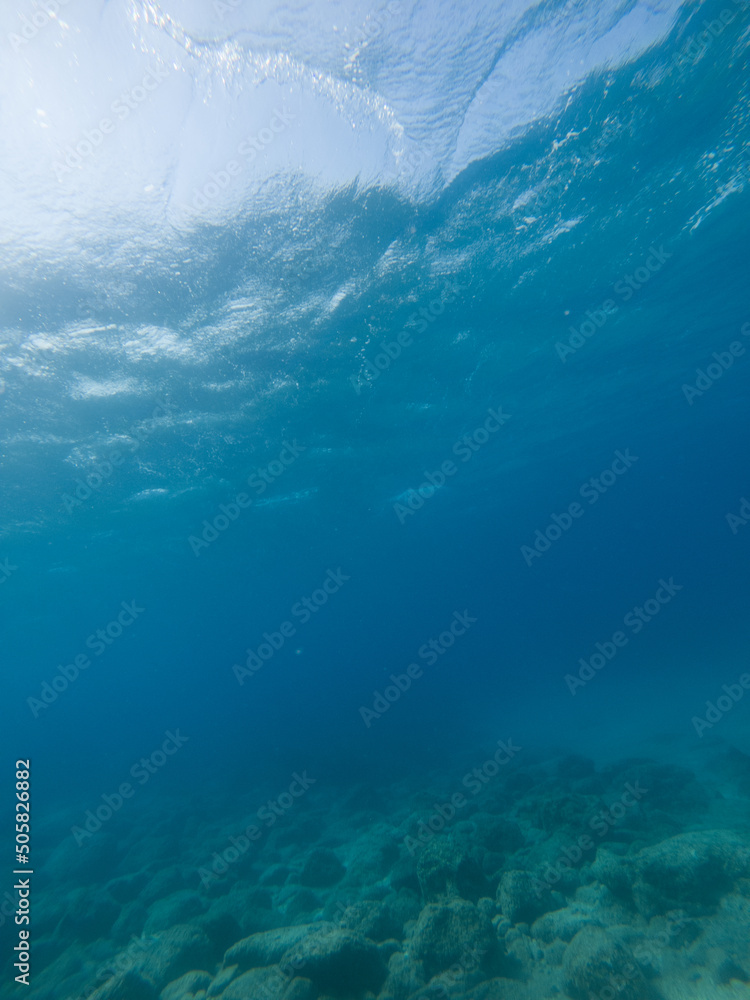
<point x="524" y="201"/>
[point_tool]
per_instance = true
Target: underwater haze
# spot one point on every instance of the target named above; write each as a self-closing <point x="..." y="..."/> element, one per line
<point x="376" y="500"/>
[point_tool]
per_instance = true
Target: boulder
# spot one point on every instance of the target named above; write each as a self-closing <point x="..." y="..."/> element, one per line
<point x="174" y="952"/>
<point x="446" y="867"/>
<point x="338" y="962"/>
<point x="267" y="947"/>
<point x="186" y="987"/>
<point x="690" y="871"/>
<point x="597" y="963"/>
<point x="126" y="986"/>
<point x="452" y="933"/>
<point x="518" y="899"/>
<point x="321" y="868"/>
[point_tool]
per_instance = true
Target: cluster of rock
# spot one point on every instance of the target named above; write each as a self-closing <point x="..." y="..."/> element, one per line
<point x="529" y="893"/>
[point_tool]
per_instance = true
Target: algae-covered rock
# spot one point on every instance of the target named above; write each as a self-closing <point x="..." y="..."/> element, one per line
<point x="501" y="989"/>
<point x="256" y="983"/>
<point x="452" y="932"/>
<point x="90" y="914"/>
<point x="267" y="947"/>
<point x="179" y="908"/>
<point x="380" y="920"/>
<point x="496" y="834"/>
<point x="518" y="899"/>
<point x="174" y="952"/>
<point x="692" y="871"/>
<point x="563" y="924"/>
<point x="406" y="976"/>
<point x="597" y="963"/>
<point x="187" y="986"/>
<point x="322" y="868"/>
<point x="337" y="961"/>
<point x="126" y="986"/>
<point x="446" y="867"/>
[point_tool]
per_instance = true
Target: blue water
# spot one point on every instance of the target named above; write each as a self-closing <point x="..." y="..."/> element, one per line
<point x="464" y="335"/>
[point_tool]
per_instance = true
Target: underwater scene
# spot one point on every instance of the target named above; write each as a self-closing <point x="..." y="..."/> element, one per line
<point x="375" y="499"/>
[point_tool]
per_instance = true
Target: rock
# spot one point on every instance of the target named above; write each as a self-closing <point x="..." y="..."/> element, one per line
<point x="404" y="875"/>
<point x="453" y="932"/>
<point x="130" y="922"/>
<point x="337" y="961"/>
<point x="447" y="868"/>
<point x="174" y="952"/>
<point x="380" y="919"/>
<point x="321" y="868"/>
<point x="564" y="814"/>
<point x="186" y="986"/>
<point x="666" y="787"/>
<point x="146" y="851"/>
<point x="127" y="887"/>
<point x="597" y="963"/>
<point x="692" y="871"/>
<point x="301" y="901"/>
<point x="405" y="977"/>
<point x="501" y="989"/>
<point x="267" y="947"/>
<point x="85" y="863"/>
<point x="222" y="979"/>
<point x="275" y="875"/>
<point x="300" y="989"/>
<point x="90" y="914"/>
<point x="178" y="908"/>
<point x="563" y="924"/>
<point x="126" y="986"/>
<point x="256" y="984"/>
<point x="615" y="872"/>
<point x="248" y="918"/>
<point x="501" y="836"/>
<point x="166" y="881"/>
<point x="372" y="857"/>
<point x="221" y="929"/>
<point x="518" y="899"/>
<point x="574" y="767"/>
